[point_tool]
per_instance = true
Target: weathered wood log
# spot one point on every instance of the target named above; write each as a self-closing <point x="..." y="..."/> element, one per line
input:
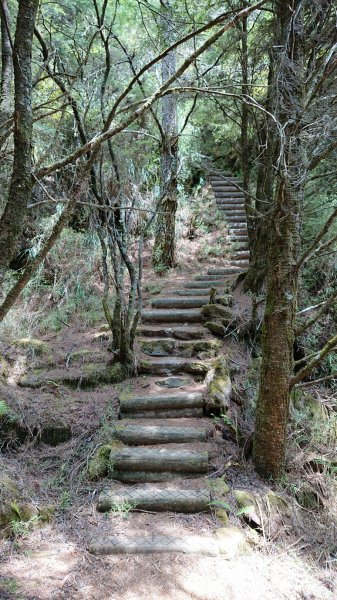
<point x="222" y="271"/>
<point x="192" y="302"/>
<point x="157" y="499"/>
<point x="205" y="284"/>
<point x="205" y="277"/>
<point x="195" y="292"/>
<point x="192" y="315"/>
<point x="180" y="333"/>
<point x="180" y="413"/>
<point x="162" y="402"/>
<point x="173" y="364"/>
<point x="153" y="434"/>
<point x="131" y="477"/>
<point x="158" y="544"/>
<point x="159" y="459"/>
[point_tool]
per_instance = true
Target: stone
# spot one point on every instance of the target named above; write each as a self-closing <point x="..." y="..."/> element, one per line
<point x="216" y="328"/>
<point x="219" y="486"/>
<point x="247" y="506"/>
<point x="216" y="311"/>
<point x="163" y="347"/>
<point x="174" y="382"/>
<point x="36" y="346"/>
<point x="219" y="387"/>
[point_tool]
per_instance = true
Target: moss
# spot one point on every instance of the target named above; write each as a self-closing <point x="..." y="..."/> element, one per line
<point x="216" y="311"/>
<point x="152" y="288"/>
<point x="224" y="300"/>
<point x="99" y="463"/>
<point x="157" y="347"/>
<point x="87" y="375"/>
<point x="55" y="433"/>
<point x="215" y="328"/>
<point x="222" y="516"/>
<point x="219" y="386"/>
<point x="219" y="486"/>
<point x="37" y="346"/>
<point x="4" y="368"/>
<point x="243" y="499"/>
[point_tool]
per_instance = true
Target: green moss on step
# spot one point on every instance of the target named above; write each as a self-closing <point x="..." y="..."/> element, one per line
<point x="38" y="346"/>
<point x="98" y="464"/>
<point x="216" y="311"/>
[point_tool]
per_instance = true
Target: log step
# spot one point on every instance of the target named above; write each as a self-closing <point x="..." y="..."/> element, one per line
<point x="196" y="292"/>
<point x="162" y="402"/>
<point x="203" y="545"/>
<point x="158" y="460"/>
<point x="173" y="365"/>
<point x="156" y="499"/>
<point x="219" y="283"/>
<point x="222" y="271"/>
<point x="226" y="194"/>
<point x="146" y="435"/>
<point x="179" y="333"/>
<point x="167" y="302"/>
<point x="234" y="213"/>
<point x="207" y="277"/>
<point x="224" y="200"/>
<point x="179" y="413"/>
<point x="187" y="348"/>
<point x="240" y="263"/>
<point x="172" y="316"/>
<point x="240" y="235"/>
<point x="228" y="206"/>
<point x="241" y="227"/>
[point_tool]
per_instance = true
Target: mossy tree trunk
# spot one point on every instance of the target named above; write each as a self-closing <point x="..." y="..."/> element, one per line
<point x="13" y="218"/>
<point x="164" y="249"/>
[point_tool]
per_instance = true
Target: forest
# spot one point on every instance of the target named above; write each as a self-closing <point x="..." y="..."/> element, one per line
<point x="168" y="310"/>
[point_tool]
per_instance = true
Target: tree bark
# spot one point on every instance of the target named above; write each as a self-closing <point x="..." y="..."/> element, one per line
<point x="278" y="333"/>
<point x="165" y="244"/>
<point x="13" y="218"/>
<point x="6" y="65"/>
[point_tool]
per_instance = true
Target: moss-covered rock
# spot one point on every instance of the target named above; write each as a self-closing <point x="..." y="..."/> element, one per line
<point x="163" y="347"/>
<point x="216" y="311"/>
<point x="216" y="328"/>
<point x="219" y="486"/>
<point x="98" y="465"/>
<point x="247" y="506"/>
<point x="15" y="510"/>
<point x="219" y="387"/>
<point x="225" y="300"/>
<point x="222" y="516"/>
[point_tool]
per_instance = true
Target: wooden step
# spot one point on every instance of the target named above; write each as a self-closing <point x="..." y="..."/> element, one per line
<point x="173" y="365"/>
<point x="242" y="264"/>
<point x="240" y="226"/>
<point x="236" y="219"/>
<point x="157" y="544"/>
<point x="224" y="200"/>
<point x="161" y="402"/>
<point x="156" y="499"/>
<point x="228" y="188"/>
<point x="239" y="254"/>
<point x="235" y="213"/>
<point x="195" y="292"/>
<point x="172" y="316"/>
<point x="218" y="283"/>
<point x="179" y="333"/>
<point x="167" y="302"/>
<point x="240" y="238"/>
<point x="147" y="435"/>
<point x="158" y="459"/>
<point x="222" y="271"/>
<point x="226" y="194"/>
<point x="208" y="277"/>
<point x="179" y="413"/>
<point x="229" y="207"/>
<point x="186" y="348"/>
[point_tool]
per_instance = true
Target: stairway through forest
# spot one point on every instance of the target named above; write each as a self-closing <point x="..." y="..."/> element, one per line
<point x="166" y="445"/>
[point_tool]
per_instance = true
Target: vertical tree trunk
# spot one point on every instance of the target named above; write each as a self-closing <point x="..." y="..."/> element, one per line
<point x="13" y="218"/>
<point x="244" y="126"/>
<point x="6" y="65"/>
<point x="282" y="278"/>
<point x="165" y="245"/>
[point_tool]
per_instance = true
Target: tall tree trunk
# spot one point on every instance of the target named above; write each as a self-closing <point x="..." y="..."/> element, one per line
<point x="6" y="65"/>
<point x="165" y="244"/>
<point x="282" y="277"/>
<point x="245" y="124"/>
<point x="13" y="218"/>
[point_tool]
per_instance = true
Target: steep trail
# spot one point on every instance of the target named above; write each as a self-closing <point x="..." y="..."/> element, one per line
<point x="165" y="443"/>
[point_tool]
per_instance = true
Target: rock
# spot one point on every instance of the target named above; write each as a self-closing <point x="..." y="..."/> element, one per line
<point x="224" y="300"/>
<point x="216" y="311"/>
<point x="163" y="347"/>
<point x="87" y="375"/>
<point x="216" y="328"/>
<point x="174" y="382"/>
<point x="15" y="509"/>
<point x="232" y="541"/>
<point x="219" y="387"/>
<point x="219" y="486"/>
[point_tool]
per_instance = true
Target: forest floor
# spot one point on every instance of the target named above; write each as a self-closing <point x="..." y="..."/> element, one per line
<point x="292" y="556"/>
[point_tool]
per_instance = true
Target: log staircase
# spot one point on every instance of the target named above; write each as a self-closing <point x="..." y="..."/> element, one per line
<point x="165" y="443"/>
